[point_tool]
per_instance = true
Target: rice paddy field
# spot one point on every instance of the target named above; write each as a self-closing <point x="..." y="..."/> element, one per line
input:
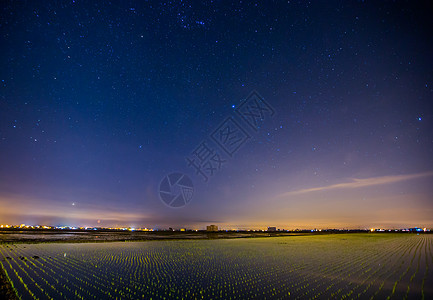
<point x="353" y="266"/>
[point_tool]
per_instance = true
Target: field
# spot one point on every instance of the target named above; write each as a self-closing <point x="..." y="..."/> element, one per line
<point x="353" y="266"/>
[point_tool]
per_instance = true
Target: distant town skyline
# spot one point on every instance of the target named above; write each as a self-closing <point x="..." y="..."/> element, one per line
<point x="208" y="228"/>
<point x="287" y="114"/>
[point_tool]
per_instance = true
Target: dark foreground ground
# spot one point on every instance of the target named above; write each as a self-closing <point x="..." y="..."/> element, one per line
<point x="223" y="265"/>
<point x="74" y="236"/>
<point x="36" y="236"/>
<point x="304" y="266"/>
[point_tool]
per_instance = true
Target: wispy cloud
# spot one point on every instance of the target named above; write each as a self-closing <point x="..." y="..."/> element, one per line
<point x="359" y="183"/>
<point x="25" y="207"/>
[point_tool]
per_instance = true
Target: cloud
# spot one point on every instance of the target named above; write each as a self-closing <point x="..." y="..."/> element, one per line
<point x="359" y="183"/>
<point x="22" y="208"/>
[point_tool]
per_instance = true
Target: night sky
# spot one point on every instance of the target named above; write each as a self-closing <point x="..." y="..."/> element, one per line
<point x="99" y="101"/>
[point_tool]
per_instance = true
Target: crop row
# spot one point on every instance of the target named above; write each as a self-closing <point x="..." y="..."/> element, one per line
<point x="328" y="266"/>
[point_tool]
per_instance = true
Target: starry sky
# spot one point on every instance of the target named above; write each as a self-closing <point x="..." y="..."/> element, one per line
<point x="100" y="100"/>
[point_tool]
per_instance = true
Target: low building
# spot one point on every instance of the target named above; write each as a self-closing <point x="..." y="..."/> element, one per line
<point x="212" y="228"/>
<point x="272" y="228"/>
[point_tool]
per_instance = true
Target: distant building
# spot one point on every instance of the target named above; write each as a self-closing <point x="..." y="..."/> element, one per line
<point x="212" y="228"/>
<point x="272" y="228"/>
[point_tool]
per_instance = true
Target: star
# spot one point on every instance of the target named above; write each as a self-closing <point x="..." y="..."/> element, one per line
<point x="160" y="78"/>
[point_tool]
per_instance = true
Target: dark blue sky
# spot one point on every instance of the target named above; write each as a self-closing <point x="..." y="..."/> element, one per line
<point x="100" y="100"/>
